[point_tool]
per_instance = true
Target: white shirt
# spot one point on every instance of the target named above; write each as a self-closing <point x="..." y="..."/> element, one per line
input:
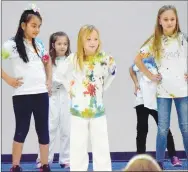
<point x="56" y="85"/>
<point x="147" y="93"/>
<point x="32" y="72"/>
<point x="86" y="87"/>
<point x="172" y="66"/>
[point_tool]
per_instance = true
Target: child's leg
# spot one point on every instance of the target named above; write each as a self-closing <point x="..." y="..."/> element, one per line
<point x="54" y="120"/>
<point x="182" y="111"/>
<point x="23" y="110"/>
<point x="64" y="152"/>
<point x="79" y="158"/>
<point x="142" y="128"/>
<point x="100" y="145"/>
<point x="164" y="112"/>
<point x="40" y="112"/>
<point x="170" y="140"/>
<point x="54" y="124"/>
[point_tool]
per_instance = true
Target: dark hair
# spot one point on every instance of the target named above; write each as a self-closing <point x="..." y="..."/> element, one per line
<point x="53" y="39"/>
<point x="25" y="17"/>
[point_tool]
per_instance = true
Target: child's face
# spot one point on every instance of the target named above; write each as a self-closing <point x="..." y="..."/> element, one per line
<point x="32" y="28"/>
<point x="91" y="43"/>
<point x="168" y="21"/>
<point x="61" y="45"/>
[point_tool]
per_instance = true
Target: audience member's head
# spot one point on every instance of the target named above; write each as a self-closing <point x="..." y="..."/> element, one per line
<point x="142" y="162"/>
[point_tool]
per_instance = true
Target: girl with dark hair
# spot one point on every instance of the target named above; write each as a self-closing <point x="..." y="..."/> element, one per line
<point x="31" y="81"/>
<point x="59" y="116"/>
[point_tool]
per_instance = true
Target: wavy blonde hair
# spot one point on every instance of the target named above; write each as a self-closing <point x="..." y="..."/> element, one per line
<point x="156" y="37"/>
<point x="84" y="32"/>
<point x="142" y="162"/>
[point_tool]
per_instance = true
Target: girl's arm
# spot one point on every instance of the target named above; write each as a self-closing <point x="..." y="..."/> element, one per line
<point x="139" y="63"/>
<point x="133" y="76"/>
<point x="48" y="70"/>
<point x="63" y="72"/>
<point x="14" y="82"/>
<point x="142" y="67"/>
<point x="146" y="51"/>
<point x="134" y="79"/>
<point x="112" y="69"/>
<point x="6" y="53"/>
<point x="47" y="64"/>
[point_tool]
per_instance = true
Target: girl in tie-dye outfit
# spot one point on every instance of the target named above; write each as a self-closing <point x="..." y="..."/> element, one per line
<point x="86" y="75"/>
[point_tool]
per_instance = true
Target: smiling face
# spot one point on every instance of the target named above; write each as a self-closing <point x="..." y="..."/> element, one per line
<point x="32" y="27"/>
<point x="91" y="43"/>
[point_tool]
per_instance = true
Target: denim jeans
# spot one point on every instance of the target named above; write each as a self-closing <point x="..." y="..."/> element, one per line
<point x="164" y="111"/>
<point x="142" y="130"/>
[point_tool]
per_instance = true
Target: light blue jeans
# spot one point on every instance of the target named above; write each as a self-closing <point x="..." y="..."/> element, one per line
<point x="164" y="113"/>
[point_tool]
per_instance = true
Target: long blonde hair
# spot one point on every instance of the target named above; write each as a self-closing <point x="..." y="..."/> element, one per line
<point x="156" y="37"/>
<point x="142" y="162"/>
<point x="84" y="32"/>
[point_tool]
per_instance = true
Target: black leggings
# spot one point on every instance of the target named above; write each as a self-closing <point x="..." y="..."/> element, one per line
<point x="24" y="106"/>
<point x="142" y="130"/>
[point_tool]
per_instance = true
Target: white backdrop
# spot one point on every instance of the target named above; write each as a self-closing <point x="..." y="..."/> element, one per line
<point x="124" y="26"/>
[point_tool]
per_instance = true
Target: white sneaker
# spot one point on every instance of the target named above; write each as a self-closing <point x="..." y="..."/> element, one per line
<point x="38" y="165"/>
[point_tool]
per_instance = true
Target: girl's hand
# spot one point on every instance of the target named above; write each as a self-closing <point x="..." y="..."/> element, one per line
<point x="137" y="87"/>
<point x="186" y="76"/>
<point x="156" y="78"/>
<point x="14" y="82"/>
<point x="49" y="87"/>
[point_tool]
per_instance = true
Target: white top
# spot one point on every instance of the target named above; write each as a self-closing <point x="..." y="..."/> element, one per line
<point x="172" y="66"/>
<point x="56" y="86"/>
<point x="147" y="93"/>
<point x="32" y="72"/>
<point x="86" y="87"/>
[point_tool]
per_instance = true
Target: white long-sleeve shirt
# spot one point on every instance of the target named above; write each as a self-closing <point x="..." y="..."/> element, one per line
<point x="86" y="87"/>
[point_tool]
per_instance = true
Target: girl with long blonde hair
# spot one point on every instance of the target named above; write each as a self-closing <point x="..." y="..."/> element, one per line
<point x="169" y="47"/>
<point x="86" y="75"/>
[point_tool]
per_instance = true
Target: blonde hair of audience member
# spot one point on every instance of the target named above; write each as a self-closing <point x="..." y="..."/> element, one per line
<point x="142" y="162"/>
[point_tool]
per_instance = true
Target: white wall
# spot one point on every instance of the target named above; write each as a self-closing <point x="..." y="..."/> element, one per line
<point x="124" y="26"/>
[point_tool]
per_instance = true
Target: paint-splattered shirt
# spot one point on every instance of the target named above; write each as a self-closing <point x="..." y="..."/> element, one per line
<point x="172" y="65"/>
<point x="86" y="86"/>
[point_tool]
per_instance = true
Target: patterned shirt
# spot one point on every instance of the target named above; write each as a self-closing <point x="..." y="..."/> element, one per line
<point x="172" y="65"/>
<point x="86" y="87"/>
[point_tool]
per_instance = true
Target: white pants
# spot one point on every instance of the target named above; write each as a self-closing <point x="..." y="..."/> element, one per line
<point x="80" y="129"/>
<point x="59" y="119"/>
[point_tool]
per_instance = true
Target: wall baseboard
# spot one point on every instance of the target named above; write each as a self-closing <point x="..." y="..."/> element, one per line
<point x="115" y="156"/>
